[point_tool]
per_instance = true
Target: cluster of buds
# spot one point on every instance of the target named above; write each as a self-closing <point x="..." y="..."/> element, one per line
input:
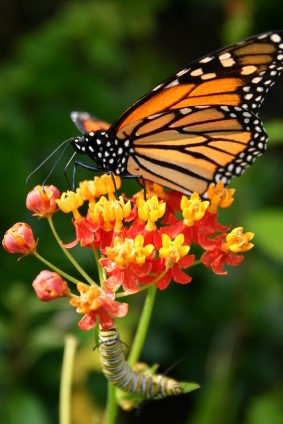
<point x="138" y="242"/>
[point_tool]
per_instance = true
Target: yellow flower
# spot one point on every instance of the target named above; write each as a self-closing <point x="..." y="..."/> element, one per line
<point x="237" y="241"/>
<point x="193" y="209"/>
<point x="88" y="300"/>
<point x="219" y="196"/>
<point x="153" y="189"/>
<point x="99" y="186"/>
<point x="111" y="210"/>
<point x="70" y="202"/>
<point x="150" y="210"/>
<point x="129" y="251"/>
<point x="88" y="189"/>
<point x="173" y="250"/>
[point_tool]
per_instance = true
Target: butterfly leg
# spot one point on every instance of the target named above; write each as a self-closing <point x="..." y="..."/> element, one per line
<point x="140" y="180"/>
<point x="91" y="168"/>
<point x="83" y="165"/>
<point x="114" y="183"/>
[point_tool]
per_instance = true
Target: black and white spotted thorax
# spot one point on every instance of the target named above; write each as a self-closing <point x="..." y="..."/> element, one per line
<point x="109" y="154"/>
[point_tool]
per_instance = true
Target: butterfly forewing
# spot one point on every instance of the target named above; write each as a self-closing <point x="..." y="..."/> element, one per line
<point x="238" y="75"/>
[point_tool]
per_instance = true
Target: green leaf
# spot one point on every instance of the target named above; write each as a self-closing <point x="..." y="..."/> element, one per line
<point x="268" y="228"/>
<point x="188" y="386"/>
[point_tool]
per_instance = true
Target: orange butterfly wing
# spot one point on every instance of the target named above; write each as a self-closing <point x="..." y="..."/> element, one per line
<point x="237" y="75"/>
<point x="198" y="126"/>
<point x="87" y="123"/>
<point x="196" y="146"/>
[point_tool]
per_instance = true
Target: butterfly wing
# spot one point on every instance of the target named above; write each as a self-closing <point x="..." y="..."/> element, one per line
<point x="198" y="126"/>
<point x="187" y="149"/>
<point x="238" y="75"/>
<point x="87" y="123"/>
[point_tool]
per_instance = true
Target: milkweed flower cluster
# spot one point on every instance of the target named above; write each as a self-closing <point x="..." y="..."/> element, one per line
<point x="137" y="242"/>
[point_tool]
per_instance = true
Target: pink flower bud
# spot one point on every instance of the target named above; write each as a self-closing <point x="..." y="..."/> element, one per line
<point x="42" y="201"/>
<point x="19" y="239"/>
<point x="49" y="285"/>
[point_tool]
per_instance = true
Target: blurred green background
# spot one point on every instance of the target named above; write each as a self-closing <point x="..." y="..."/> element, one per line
<point x="100" y="56"/>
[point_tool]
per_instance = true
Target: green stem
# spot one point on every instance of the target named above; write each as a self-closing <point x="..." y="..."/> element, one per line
<point x="55" y="268"/>
<point x="111" y="405"/>
<point x="68" y="254"/>
<point x="66" y="380"/>
<point x="196" y="262"/>
<point x="142" y="326"/>
<point x="101" y="272"/>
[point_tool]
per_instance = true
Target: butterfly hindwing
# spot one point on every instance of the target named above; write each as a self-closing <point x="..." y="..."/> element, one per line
<point x="196" y="146"/>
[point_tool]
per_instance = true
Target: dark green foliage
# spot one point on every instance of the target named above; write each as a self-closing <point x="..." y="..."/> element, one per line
<point x="100" y="56"/>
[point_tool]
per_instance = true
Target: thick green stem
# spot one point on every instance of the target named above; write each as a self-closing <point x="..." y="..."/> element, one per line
<point x="142" y="326"/>
<point x="66" y="380"/>
<point x="111" y="405"/>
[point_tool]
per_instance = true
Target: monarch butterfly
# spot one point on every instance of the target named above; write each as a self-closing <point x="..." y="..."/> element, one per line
<point x="119" y="373"/>
<point x="198" y="126"/>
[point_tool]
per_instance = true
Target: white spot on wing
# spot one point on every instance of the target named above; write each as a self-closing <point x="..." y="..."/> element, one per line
<point x="172" y="84"/>
<point x="208" y="76"/>
<point x="275" y="38"/>
<point x="206" y="59"/>
<point x="185" y="110"/>
<point x="182" y="72"/>
<point x="197" y="72"/>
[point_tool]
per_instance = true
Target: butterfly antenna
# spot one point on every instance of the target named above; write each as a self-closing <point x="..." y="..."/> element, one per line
<point x="72" y="187"/>
<point x="65" y="143"/>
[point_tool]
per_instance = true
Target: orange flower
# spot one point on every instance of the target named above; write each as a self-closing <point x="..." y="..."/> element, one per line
<point x="42" y="201"/>
<point x="193" y="209"/>
<point x="97" y="305"/>
<point x="219" y="196"/>
<point x="150" y="210"/>
<point x="99" y="186"/>
<point x="49" y="285"/>
<point x="129" y="251"/>
<point x="237" y="241"/>
<point x="88" y="299"/>
<point x="112" y="211"/>
<point x="19" y="239"/>
<point x="70" y="202"/>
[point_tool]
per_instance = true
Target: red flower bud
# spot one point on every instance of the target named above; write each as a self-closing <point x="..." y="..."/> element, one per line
<point x="42" y="201"/>
<point x="49" y="285"/>
<point x="19" y="239"/>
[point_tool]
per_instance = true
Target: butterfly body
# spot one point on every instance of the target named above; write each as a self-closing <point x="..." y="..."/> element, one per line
<point x="198" y="126"/>
<point x="107" y="153"/>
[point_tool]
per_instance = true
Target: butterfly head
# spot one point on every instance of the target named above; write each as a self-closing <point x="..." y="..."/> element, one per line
<point x="94" y="144"/>
<point x="89" y="143"/>
<point x="80" y="143"/>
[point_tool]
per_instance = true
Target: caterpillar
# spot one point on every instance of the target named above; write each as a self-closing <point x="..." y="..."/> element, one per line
<point x="118" y="372"/>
